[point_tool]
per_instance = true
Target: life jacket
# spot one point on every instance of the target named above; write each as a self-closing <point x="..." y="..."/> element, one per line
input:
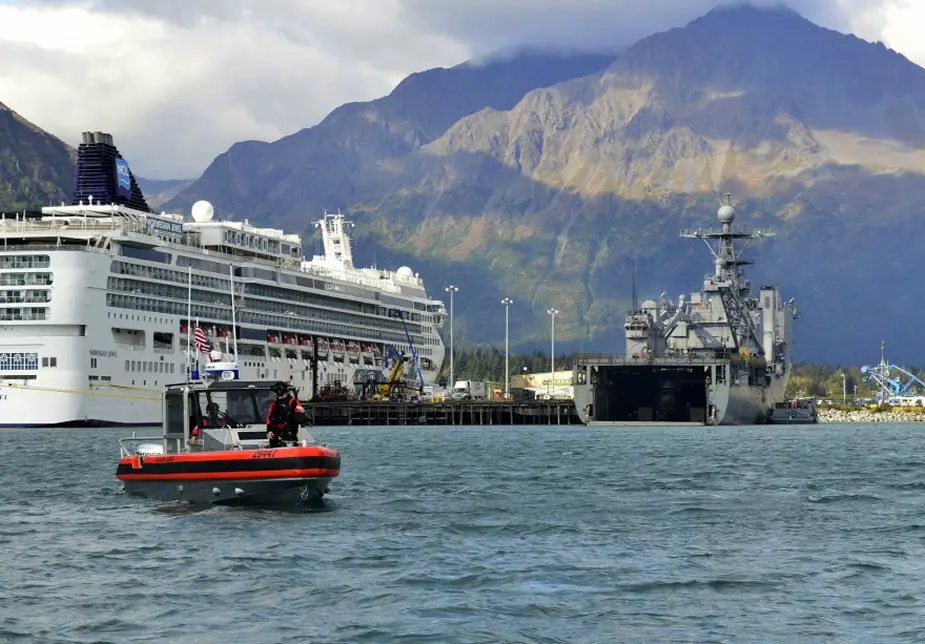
<point x="278" y="414"/>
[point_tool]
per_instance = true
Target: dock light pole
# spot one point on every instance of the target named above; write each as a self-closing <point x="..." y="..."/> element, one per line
<point x="507" y="369"/>
<point x="451" y="289"/>
<point x="552" y="348"/>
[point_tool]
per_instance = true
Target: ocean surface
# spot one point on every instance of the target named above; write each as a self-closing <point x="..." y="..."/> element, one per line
<point x="485" y="534"/>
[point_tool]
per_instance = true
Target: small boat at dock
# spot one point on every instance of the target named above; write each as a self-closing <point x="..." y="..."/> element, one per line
<point x="799" y="411"/>
<point x="214" y="450"/>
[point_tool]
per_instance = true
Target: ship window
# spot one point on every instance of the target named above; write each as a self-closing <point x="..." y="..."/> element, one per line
<point x="25" y="261"/>
<point x="93" y="363"/>
<point x="146" y="254"/>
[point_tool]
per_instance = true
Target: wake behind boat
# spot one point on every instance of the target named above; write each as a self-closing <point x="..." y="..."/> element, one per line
<point x="214" y="450"/>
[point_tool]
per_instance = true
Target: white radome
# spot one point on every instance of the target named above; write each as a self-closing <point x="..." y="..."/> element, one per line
<point x="202" y="212"/>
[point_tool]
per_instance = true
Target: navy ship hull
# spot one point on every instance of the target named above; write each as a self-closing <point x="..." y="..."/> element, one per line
<point x="619" y="390"/>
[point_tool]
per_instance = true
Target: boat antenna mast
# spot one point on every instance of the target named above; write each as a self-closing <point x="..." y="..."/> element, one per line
<point x="234" y="326"/>
<point x="189" y="325"/>
<point x="727" y="278"/>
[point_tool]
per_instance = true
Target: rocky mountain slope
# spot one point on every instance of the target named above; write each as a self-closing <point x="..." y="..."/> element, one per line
<point x="35" y="168"/>
<point x="555" y="196"/>
<point x="549" y="177"/>
<point x="159" y="191"/>
<point x="329" y="165"/>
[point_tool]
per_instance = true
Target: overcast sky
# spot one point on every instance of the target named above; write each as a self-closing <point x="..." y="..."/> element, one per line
<point x="178" y="81"/>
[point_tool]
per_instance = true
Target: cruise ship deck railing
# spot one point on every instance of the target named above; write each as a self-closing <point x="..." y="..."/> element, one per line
<point x="90" y="225"/>
<point x="131" y="228"/>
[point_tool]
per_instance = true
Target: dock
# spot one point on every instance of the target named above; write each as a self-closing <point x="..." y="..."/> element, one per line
<point x="475" y="412"/>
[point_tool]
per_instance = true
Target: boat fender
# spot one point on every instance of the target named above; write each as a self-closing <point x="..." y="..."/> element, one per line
<point x="216" y="491"/>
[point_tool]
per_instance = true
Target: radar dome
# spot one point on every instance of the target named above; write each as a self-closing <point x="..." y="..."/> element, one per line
<point x="726" y="214"/>
<point x="404" y="271"/>
<point x="202" y="211"/>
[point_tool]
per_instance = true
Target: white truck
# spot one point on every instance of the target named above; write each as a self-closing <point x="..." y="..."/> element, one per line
<point x="469" y="390"/>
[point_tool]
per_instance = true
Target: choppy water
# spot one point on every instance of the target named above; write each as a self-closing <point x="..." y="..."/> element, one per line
<point x="479" y="534"/>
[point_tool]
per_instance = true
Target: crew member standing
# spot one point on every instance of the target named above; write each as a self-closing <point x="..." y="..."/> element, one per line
<point x="284" y="416"/>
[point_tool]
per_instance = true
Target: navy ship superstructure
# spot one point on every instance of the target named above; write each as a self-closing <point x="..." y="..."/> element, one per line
<point x="720" y="357"/>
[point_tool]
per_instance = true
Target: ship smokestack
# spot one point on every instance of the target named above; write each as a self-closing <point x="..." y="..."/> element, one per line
<point x="102" y="172"/>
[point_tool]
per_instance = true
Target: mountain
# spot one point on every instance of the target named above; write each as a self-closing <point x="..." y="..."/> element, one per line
<point x="35" y="168"/>
<point x="159" y="191"/>
<point x="290" y="181"/>
<point x="553" y="190"/>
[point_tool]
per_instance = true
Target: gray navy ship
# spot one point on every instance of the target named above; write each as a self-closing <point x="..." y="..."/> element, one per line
<point x="720" y="357"/>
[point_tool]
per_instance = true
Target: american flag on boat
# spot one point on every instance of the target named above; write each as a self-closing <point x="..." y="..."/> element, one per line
<point x="201" y="340"/>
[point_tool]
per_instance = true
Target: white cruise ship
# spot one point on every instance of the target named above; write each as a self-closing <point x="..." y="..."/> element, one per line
<point x="99" y="300"/>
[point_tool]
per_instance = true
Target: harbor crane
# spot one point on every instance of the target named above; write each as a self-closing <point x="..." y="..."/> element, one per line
<point x="889" y="379"/>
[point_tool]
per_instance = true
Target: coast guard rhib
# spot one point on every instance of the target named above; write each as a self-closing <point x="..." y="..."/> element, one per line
<point x="214" y="447"/>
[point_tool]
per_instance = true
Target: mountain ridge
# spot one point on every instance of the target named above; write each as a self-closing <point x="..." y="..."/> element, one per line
<point x="36" y="168"/>
<point x="560" y="187"/>
<point x="557" y="196"/>
<point x="353" y="138"/>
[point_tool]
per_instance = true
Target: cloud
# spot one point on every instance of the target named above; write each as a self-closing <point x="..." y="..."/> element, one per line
<point x="178" y="81"/>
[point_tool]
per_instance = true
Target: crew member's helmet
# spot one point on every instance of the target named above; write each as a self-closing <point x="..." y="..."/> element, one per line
<point x="279" y="388"/>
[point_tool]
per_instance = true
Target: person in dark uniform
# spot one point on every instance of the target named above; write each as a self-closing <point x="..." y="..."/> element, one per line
<point x="194" y="419"/>
<point x="284" y="417"/>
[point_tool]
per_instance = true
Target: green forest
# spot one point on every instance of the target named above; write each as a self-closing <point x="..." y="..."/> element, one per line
<point x="818" y="381"/>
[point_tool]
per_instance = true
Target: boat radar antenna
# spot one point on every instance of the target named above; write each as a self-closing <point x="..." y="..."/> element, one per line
<point x="727" y="278"/>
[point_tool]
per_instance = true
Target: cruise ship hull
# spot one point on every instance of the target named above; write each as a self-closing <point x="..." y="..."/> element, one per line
<point x="92" y="360"/>
<point x="104" y="302"/>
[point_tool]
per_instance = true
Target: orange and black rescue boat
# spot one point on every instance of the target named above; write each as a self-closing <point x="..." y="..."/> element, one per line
<point x="214" y="450"/>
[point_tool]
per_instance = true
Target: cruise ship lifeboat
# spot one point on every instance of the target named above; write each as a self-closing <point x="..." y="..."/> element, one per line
<point x="214" y="451"/>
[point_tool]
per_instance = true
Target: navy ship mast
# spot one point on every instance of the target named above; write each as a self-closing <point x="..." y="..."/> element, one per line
<point x="727" y="280"/>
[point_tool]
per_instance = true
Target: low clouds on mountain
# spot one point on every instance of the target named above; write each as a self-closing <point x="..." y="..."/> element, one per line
<point x="178" y="81"/>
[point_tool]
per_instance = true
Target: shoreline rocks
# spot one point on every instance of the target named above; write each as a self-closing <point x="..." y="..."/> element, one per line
<point x="869" y="416"/>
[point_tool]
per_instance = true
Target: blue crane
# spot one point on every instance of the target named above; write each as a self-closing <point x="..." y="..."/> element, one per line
<point x="891" y="386"/>
<point x="414" y="354"/>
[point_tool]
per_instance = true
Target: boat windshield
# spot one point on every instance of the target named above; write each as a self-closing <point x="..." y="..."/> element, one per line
<point x="233" y="408"/>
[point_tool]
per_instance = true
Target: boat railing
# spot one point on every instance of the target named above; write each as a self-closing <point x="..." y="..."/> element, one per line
<point x="128" y="446"/>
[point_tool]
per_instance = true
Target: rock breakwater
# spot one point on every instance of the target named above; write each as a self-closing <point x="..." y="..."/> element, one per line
<point x="869" y="416"/>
